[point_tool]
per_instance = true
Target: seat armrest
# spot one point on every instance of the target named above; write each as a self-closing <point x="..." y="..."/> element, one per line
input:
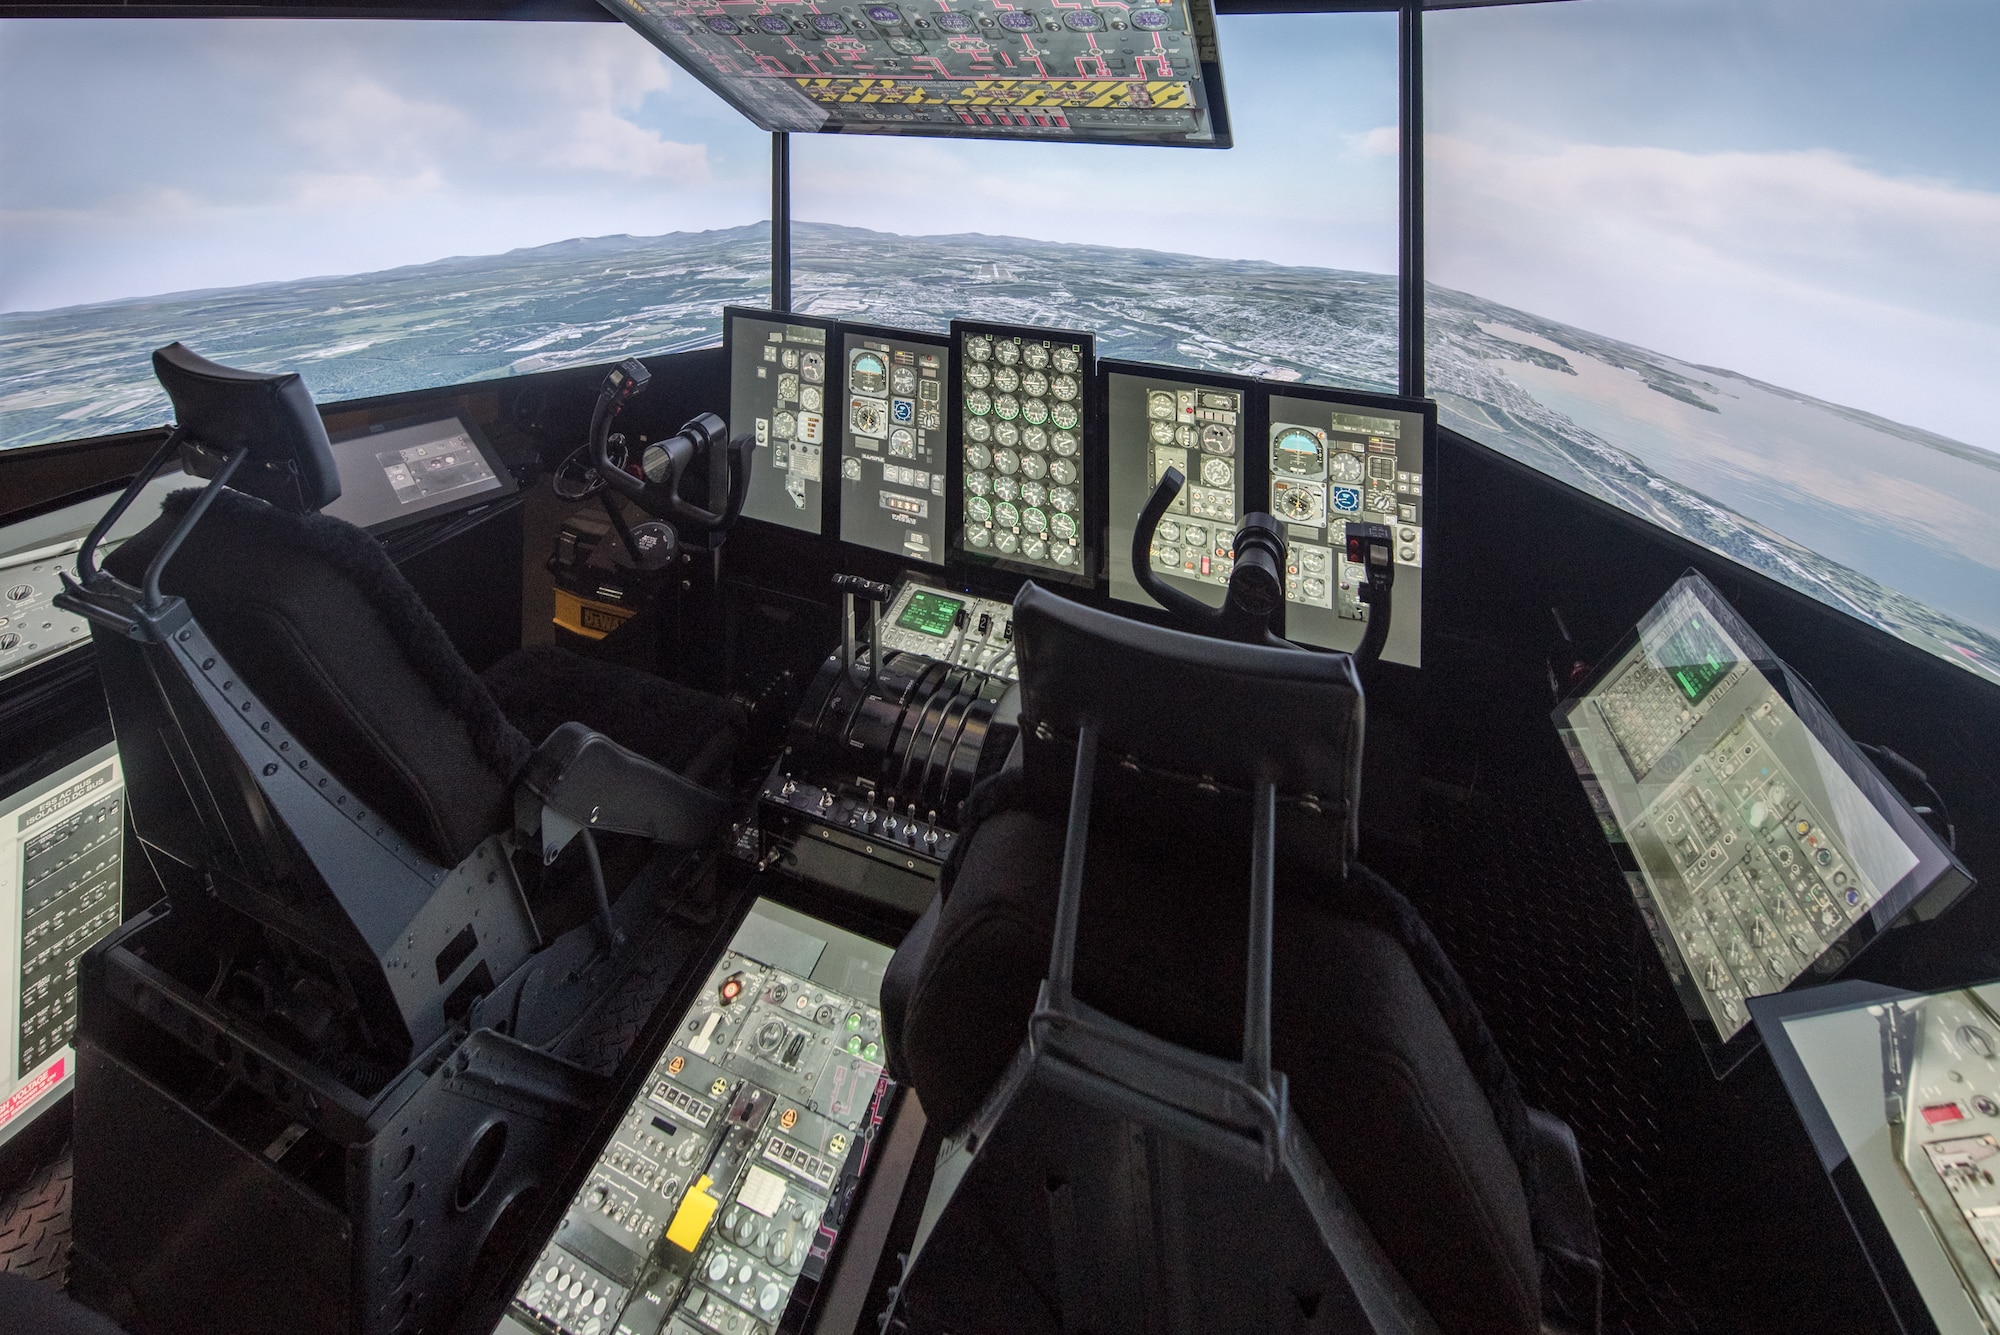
<point x="1565" y="1225"/>
<point x="584" y="780"/>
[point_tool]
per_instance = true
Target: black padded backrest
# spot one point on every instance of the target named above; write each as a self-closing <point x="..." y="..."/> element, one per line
<point x="224" y="409"/>
<point x="1217" y="714"/>
<point x="324" y="629"/>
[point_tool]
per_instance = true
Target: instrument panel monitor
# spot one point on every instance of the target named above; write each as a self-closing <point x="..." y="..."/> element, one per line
<point x="1763" y="849"/>
<point x="1336" y="459"/>
<point x="1154" y="420"/>
<point x="1144" y="72"/>
<point x="779" y="386"/>
<point x="395" y="473"/>
<point x="1022" y="400"/>
<point x="893" y="436"/>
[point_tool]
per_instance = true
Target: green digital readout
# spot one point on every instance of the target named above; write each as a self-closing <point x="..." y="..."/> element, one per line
<point x="929" y="614"/>
<point x="1696" y="659"/>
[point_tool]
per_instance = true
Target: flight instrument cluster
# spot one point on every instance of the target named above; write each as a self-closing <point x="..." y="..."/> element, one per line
<point x="1146" y="71"/>
<point x="1023" y="395"/>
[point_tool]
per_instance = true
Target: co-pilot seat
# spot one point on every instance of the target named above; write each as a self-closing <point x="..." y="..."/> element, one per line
<point x="392" y="888"/>
<point x="1103" y="1213"/>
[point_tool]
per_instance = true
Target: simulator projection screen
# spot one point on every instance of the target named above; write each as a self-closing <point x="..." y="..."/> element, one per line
<point x="1762" y="846"/>
<point x="1112" y="72"/>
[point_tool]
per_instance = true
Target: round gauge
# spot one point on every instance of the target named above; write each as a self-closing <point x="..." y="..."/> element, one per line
<point x="1148" y="20"/>
<point x="1217" y="472"/>
<point x="679" y="26"/>
<point x="1036" y="356"/>
<point x="978" y="347"/>
<point x="1007" y="515"/>
<point x="1194" y="535"/>
<point x="1168" y="531"/>
<point x="979" y="510"/>
<point x="1034" y="465"/>
<point x="1007" y="351"/>
<point x="1035" y="438"/>
<point x="1034" y="384"/>
<point x="978" y="402"/>
<point x="1184" y="436"/>
<point x="784" y="426"/>
<point x="1063" y="443"/>
<point x="954" y="22"/>
<point x="979" y="537"/>
<point x="1006" y="461"/>
<point x="1299" y="452"/>
<point x="1068" y="359"/>
<point x="1007" y="407"/>
<point x="577" y="478"/>
<point x="1033" y="493"/>
<point x="1344" y="468"/>
<point x="1065" y="416"/>
<point x="1063" y="471"/>
<point x="1082" y="20"/>
<point x="828" y="23"/>
<point x="1034" y="520"/>
<point x="1064" y="387"/>
<point x="979" y="429"/>
<point x="1062" y="498"/>
<point x="1294" y="503"/>
<point x="1216" y="439"/>
<point x="1062" y="527"/>
<point x="1006" y="488"/>
<point x="1167" y="555"/>
<point x="884" y="14"/>
<point x="1006" y="379"/>
<point x="903" y="381"/>
<point x="1035" y="549"/>
<point x="812" y="398"/>
<point x="1006" y="433"/>
<point x="789" y="359"/>
<point x="1006" y="541"/>
<point x="1035" y="410"/>
<point x="813" y="366"/>
<point x="850" y="469"/>
<point x="1161" y="432"/>
<point x="902" y="444"/>
<point x="978" y="483"/>
<point x="867" y="374"/>
<point x="774" y="25"/>
<point x="1313" y="587"/>
<point x="722" y="24"/>
<point x="1159" y="406"/>
<point x="978" y="375"/>
<point x="1382" y="502"/>
<point x="1065" y="555"/>
<point x="1015" y="21"/>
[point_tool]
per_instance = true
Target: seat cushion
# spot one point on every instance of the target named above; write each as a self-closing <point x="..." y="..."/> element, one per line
<point x="34" y="1307"/>
<point x="1376" y="1075"/>
<point x="688" y="731"/>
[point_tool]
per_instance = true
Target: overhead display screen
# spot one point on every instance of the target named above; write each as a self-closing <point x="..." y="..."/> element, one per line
<point x="1022" y="398"/>
<point x="1146" y="72"/>
<point x="779" y="386"/>
<point x="395" y="472"/>
<point x="1336" y="460"/>
<point x="1762" y="847"/>
<point x="892" y="459"/>
<point x="1900" y="1093"/>
<point x="1155" y="421"/>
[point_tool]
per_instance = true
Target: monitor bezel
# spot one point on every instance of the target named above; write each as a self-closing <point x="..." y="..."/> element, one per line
<point x="1092" y="529"/>
<point x="889" y="333"/>
<point x="829" y="497"/>
<point x="509" y="484"/>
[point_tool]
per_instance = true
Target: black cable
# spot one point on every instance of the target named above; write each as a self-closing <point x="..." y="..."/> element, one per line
<point x="613" y="938"/>
<point x="1910" y="771"/>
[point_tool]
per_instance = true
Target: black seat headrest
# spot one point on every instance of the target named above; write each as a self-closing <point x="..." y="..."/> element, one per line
<point x="1215" y="712"/>
<point x="223" y="409"/>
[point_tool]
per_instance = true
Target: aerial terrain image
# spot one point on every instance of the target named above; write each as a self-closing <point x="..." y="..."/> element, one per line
<point x="1888" y="522"/>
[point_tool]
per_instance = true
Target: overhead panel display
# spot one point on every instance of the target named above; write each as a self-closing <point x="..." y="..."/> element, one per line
<point x="781" y="388"/>
<point x="892" y="461"/>
<point x="1333" y="463"/>
<point x="1146" y="72"/>
<point x="1023" y="397"/>
<point x="1762" y="847"/>
<point x="1155" y="421"/>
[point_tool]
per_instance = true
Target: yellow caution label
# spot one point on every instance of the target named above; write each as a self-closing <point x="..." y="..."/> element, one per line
<point x="691" y="1220"/>
<point x="588" y="617"/>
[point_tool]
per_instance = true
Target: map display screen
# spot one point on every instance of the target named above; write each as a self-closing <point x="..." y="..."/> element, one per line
<point x="780" y="386"/>
<point x="930" y="614"/>
<point x="1762" y="848"/>
<point x="892" y="459"/>
<point x="1199" y="424"/>
<point x="1106" y="71"/>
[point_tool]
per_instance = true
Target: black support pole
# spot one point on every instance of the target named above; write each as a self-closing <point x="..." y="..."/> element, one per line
<point x="1410" y="206"/>
<point x="781" y="221"/>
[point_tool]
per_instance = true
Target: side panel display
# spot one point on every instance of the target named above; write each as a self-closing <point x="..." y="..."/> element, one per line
<point x="892" y="463"/>
<point x="1153" y="423"/>
<point x="778" y="389"/>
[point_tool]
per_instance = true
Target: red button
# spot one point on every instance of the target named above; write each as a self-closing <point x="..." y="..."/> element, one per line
<point x="1943" y="1112"/>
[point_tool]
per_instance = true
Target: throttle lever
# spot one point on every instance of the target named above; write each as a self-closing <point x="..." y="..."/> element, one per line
<point x="874" y="594"/>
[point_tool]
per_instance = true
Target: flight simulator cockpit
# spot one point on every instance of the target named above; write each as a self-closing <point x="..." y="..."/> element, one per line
<point x="967" y="788"/>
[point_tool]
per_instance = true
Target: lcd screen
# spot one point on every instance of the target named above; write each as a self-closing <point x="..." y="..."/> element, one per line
<point x="893" y="438"/>
<point x="930" y="614"/>
<point x="779" y="390"/>
<point x="392" y="473"/>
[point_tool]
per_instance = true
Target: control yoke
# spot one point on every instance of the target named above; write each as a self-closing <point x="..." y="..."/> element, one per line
<point x="656" y="489"/>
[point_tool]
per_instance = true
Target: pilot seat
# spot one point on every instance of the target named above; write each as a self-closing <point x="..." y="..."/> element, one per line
<point x="328" y="1078"/>
<point x="1178" y="1097"/>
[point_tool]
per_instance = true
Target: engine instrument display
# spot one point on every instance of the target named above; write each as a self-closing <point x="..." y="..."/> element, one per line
<point x="1023" y="402"/>
<point x="1336" y="460"/>
<point x="892" y="459"/>
<point x="1762" y="847"/>
<point x="780" y="386"/>
<point x="929" y="613"/>
<point x="1197" y="423"/>
<point x="1107" y="71"/>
